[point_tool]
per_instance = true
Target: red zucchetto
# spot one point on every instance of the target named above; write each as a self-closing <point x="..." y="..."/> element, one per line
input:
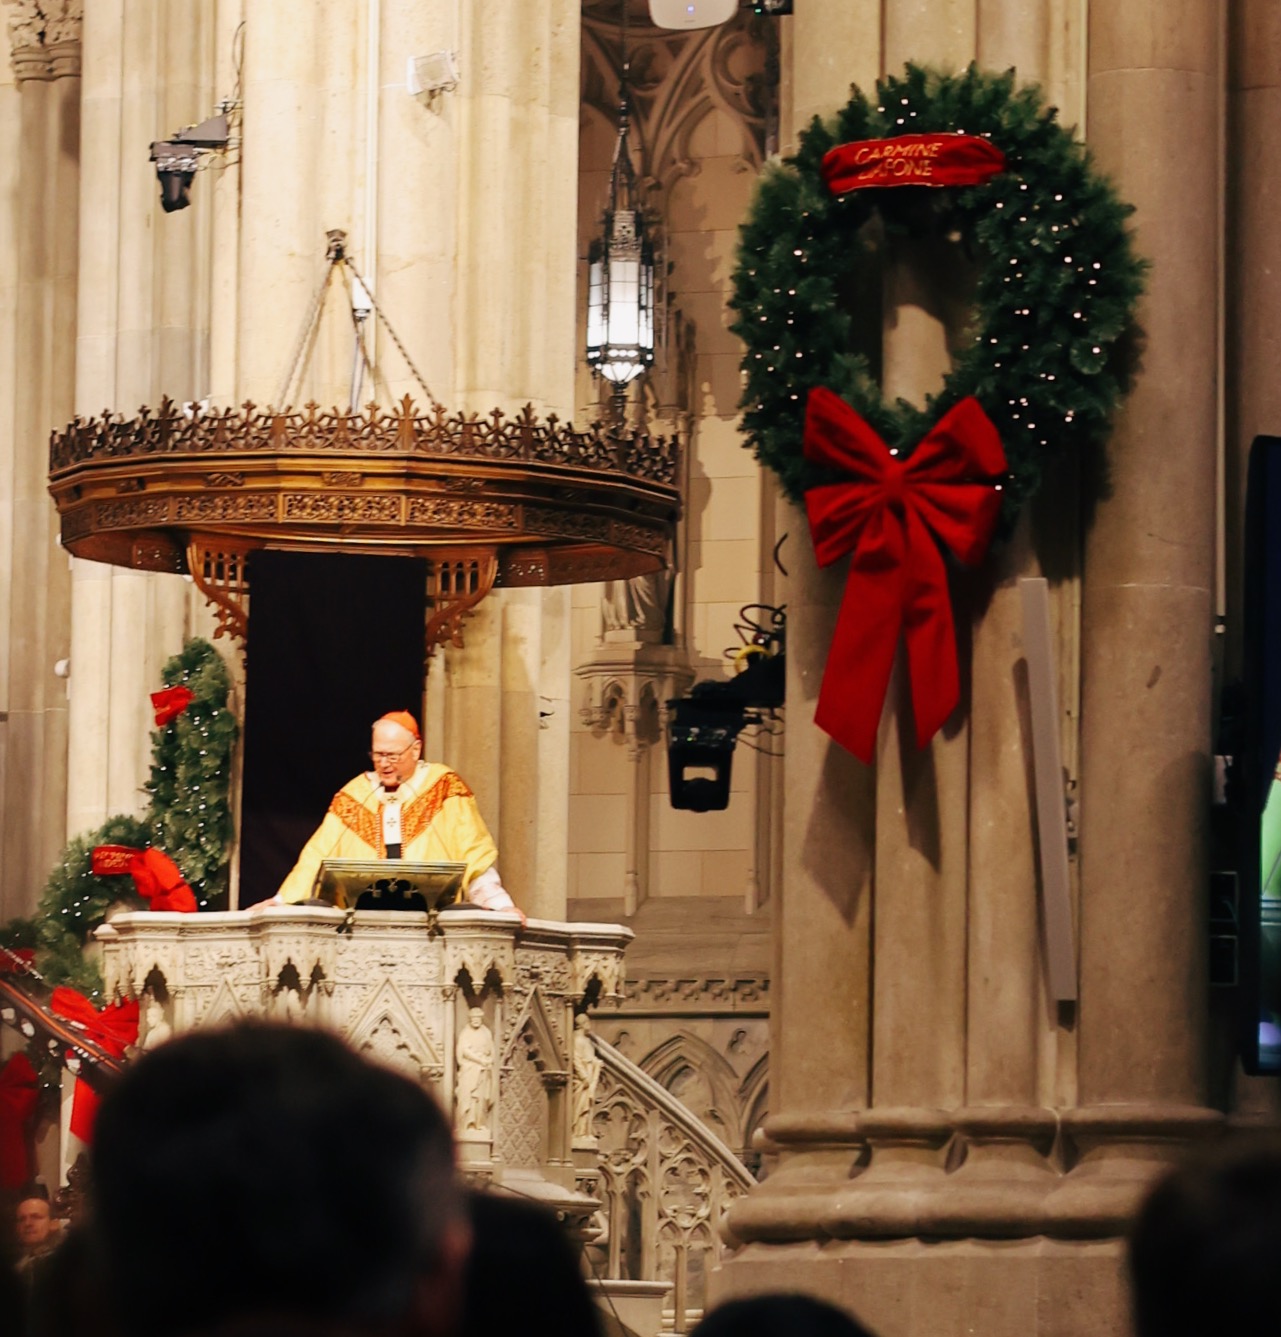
<point x="403" y="718"/>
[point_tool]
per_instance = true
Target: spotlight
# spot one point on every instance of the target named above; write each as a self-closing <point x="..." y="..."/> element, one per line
<point x="178" y="159"/>
<point x="703" y="727"/>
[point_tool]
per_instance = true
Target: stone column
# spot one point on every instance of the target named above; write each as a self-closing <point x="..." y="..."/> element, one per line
<point x="1147" y="617"/>
<point x="11" y="195"/>
<point x="518" y="744"/>
<point x="141" y="334"/>
<point x="820" y="1034"/>
<point x="550" y="891"/>
<point x="1253" y="271"/>
<point x="514" y="267"/>
<point x="35" y="604"/>
<point x="968" y="1073"/>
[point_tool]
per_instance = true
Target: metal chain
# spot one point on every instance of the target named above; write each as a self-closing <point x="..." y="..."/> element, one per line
<point x="404" y="352"/>
<point x="317" y="302"/>
<point x="338" y="256"/>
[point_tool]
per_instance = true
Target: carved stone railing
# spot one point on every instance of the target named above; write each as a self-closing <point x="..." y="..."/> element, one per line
<point x="664" y="1182"/>
<point x="477" y="1009"/>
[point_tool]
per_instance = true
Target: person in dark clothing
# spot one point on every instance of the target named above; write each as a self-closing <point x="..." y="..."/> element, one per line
<point x="1204" y="1250"/>
<point x="778" y="1315"/>
<point x="268" y="1177"/>
<point x="523" y="1265"/>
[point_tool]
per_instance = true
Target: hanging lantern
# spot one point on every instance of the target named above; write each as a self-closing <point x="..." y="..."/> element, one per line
<point x="620" y="298"/>
<point x="620" y="283"/>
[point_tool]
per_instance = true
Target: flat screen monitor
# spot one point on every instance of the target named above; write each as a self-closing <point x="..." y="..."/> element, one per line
<point x="1259" y="787"/>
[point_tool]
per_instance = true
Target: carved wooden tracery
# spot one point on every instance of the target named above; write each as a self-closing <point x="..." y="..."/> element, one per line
<point x="488" y="501"/>
<point x="220" y="573"/>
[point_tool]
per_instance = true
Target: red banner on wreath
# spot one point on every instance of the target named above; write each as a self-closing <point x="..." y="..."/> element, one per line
<point x="912" y="160"/>
<point x="891" y="515"/>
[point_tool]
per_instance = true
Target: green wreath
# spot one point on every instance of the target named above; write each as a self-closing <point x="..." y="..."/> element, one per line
<point x="1057" y="286"/>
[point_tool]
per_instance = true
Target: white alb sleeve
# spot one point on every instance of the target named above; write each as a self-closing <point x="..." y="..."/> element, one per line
<point x="488" y="892"/>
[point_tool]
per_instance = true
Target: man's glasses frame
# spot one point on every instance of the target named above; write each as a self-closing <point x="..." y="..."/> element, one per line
<point x="391" y="757"/>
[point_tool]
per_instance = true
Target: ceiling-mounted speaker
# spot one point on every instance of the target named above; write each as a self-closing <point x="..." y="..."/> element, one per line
<point x="691" y="13"/>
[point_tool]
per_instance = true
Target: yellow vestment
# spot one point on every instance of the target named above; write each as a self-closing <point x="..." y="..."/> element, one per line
<point x="439" y="820"/>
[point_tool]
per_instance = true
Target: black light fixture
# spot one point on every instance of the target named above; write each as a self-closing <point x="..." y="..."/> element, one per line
<point x="703" y="727"/>
<point x="178" y="159"/>
<point x="620" y="285"/>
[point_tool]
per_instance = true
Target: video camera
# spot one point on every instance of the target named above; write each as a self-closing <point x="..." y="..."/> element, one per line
<point x="703" y="727"/>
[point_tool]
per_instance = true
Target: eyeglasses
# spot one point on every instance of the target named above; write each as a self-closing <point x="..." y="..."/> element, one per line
<point x="392" y="757"/>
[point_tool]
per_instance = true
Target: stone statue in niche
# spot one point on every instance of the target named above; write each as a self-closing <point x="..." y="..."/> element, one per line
<point x="474" y="1084"/>
<point x="587" y="1066"/>
<point x="288" y="1004"/>
<point x="638" y="605"/>
<point x="156" y="1028"/>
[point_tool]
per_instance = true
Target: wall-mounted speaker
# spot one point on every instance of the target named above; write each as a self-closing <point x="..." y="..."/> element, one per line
<point x="691" y="13"/>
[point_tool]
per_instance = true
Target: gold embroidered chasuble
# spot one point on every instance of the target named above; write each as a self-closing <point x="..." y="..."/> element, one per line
<point x="439" y="820"/>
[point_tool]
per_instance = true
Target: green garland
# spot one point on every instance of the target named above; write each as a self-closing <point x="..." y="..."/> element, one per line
<point x="1056" y="291"/>
<point x="189" y="818"/>
<point x="190" y="781"/>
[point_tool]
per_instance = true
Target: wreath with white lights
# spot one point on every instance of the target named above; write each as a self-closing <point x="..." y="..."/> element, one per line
<point x="1057" y="280"/>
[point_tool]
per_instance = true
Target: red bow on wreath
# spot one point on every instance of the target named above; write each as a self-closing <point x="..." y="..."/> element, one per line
<point x="113" y="1029"/>
<point x="891" y="515"/>
<point x="170" y="702"/>
<point x="17" y="1104"/>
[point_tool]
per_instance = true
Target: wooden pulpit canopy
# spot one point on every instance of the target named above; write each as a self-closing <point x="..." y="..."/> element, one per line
<point x="488" y="501"/>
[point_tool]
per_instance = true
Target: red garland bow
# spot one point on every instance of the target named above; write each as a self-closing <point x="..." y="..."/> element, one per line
<point x="170" y="702"/>
<point x="911" y="160"/>
<point x="17" y="1104"/>
<point x="156" y="878"/>
<point x="891" y="515"/>
<point x="114" y="1029"/>
<point x="17" y="960"/>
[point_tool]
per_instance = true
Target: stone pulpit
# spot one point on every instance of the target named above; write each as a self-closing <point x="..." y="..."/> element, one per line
<point x="469" y="1003"/>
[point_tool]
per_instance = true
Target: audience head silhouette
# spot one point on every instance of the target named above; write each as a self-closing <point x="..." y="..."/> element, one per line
<point x="779" y="1316"/>
<point x="267" y="1177"/>
<point x="1205" y="1247"/>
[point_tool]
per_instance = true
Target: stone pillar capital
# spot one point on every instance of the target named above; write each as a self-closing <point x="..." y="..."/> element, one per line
<point x="44" y="37"/>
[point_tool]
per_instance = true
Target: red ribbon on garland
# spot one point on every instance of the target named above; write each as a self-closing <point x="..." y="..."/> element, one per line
<point x="170" y="702"/>
<point x="17" y="960"/>
<point x="890" y="516"/>
<point x="115" y="1028"/>
<point x="156" y="878"/>
<point x="911" y="160"/>
<point x="17" y="1104"/>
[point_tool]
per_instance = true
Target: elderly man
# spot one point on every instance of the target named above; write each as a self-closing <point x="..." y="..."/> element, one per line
<point x="405" y="808"/>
